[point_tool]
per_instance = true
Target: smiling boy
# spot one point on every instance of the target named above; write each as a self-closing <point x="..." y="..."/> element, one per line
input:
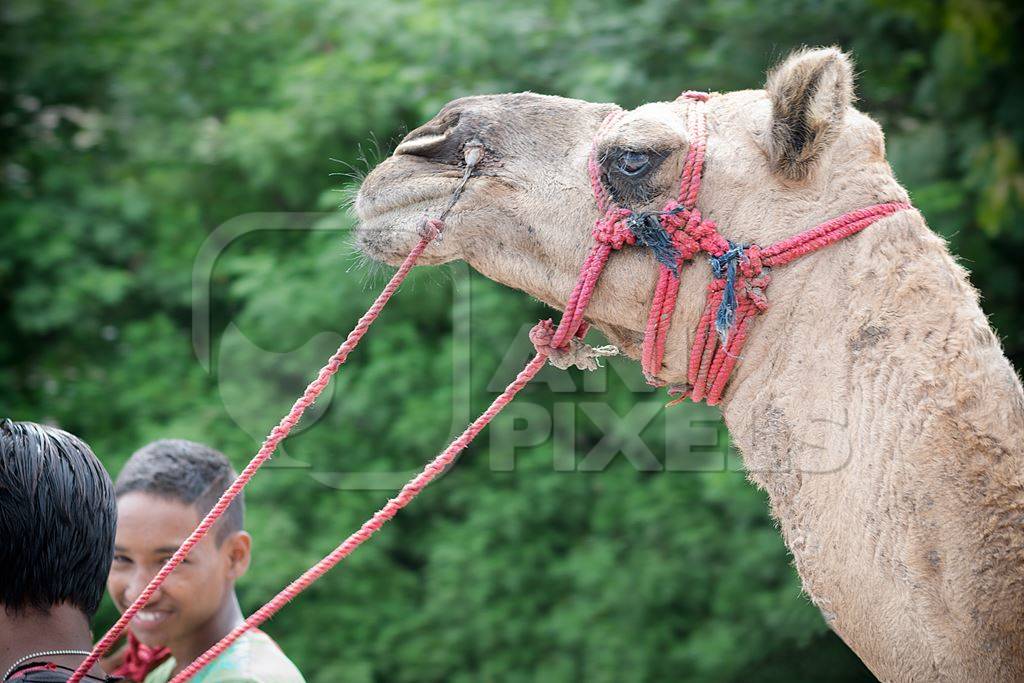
<point x="163" y="492"/>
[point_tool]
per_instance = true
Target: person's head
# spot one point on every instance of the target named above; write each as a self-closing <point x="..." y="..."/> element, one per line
<point x="163" y="492"/>
<point x="57" y="520"/>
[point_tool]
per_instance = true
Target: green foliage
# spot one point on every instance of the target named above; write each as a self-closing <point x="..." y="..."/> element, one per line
<point x="131" y="131"/>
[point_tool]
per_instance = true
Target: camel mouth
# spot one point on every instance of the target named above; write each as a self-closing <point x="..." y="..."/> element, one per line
<point x="371" y="210"/>
<point x="387" y="228"/>
<point x="397" y="186"/>
<point x="391" y="205"/>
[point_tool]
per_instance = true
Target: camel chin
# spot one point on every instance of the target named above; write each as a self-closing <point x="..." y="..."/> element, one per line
<point x="388" y="238"/>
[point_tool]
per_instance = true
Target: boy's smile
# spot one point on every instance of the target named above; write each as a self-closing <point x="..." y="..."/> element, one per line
<point x="196" y="604"/>
<point x="148" y="618"/>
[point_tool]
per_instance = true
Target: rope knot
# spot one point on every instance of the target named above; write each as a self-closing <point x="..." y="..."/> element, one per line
<point x="574" y="352"/>
<point x="721" y="263"/>
<point x="648" y="231"/>
<point x="686" y="245"/>
<point x="751" y="264"/>
<point x="703" y="232"/>
<point x="674" y="216"/>
<point x="612" y="229"/>
<point x="431" y="228"/>
<point x="753" y="290"/>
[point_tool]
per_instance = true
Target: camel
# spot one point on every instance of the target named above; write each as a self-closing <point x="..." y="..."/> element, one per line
<point x="873" y="402"/>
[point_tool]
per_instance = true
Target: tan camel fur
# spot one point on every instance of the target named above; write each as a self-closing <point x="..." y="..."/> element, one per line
<point x="873" y="401"/>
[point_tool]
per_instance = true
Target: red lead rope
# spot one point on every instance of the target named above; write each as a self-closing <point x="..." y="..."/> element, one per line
<point x="545" y="338"/>
<point x="710" y="362"/>
<point x="571" y="325"/>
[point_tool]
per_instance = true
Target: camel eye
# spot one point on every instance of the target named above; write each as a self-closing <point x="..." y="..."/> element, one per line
<point x="632" y="163"/>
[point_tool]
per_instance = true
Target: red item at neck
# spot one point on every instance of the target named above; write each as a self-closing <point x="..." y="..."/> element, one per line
<point x="140" y="659"/>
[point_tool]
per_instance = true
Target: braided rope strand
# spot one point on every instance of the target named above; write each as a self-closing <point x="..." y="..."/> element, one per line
<point x="650" y="359"/>
<point x="828" y="233"/>
<point x="572" y="318"/>
<point x="666" y="293"/>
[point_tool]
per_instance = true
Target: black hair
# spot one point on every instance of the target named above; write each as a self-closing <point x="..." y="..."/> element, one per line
<point x="186" y="471"/>
<point x="58" y="515"/>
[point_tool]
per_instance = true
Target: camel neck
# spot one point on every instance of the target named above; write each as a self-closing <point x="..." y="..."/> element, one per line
<point x="874" y="406"/>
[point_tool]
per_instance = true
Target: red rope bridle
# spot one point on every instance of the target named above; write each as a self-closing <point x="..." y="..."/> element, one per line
<point x="735" y="295"/>
<point x="737" y="291"/>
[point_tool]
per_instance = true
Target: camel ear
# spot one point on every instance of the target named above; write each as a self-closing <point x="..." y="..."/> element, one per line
<point x="809" y="93"/>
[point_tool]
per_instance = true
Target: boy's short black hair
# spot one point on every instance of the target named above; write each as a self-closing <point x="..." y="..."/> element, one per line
<point x="185" y="471"/>
<point x="58" y="515"/>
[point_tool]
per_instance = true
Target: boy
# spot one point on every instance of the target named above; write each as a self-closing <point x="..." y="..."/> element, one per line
<point x="57" y="519"/>
<point x="163" y="492"/>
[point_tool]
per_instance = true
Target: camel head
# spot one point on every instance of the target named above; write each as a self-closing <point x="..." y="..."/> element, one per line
<point x="779" y="160"/>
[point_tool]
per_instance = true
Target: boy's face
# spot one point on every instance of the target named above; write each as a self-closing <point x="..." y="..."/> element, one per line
<point x="149" y="529"/>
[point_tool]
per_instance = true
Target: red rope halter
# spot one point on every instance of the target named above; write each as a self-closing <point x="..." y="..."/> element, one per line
<point x="740" y="282"/>
<point x="740" y="275"/>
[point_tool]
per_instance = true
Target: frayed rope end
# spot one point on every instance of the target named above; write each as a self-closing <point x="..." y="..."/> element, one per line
<point x="649" y="232"/>
<point x="581" y="354"/>
<point x="575" y="352"/>
<point x="724" y="267"/>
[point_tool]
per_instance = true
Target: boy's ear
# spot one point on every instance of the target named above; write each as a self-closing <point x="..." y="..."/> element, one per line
<point x="810" y="93"/>
<point x="238" y="547"/>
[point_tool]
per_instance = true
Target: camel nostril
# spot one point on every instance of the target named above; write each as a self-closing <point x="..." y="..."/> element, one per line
<point x="442" y="139"/>
<point x="421" y="145"/>
<point x="429" y="138"/>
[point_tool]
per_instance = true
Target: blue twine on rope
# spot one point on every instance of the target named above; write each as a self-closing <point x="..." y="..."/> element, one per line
<point x="649" y="233"/>
<point x="724" y="266"/>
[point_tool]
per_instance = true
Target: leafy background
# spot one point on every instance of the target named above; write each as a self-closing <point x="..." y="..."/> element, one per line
<point x="131" y="131"/>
